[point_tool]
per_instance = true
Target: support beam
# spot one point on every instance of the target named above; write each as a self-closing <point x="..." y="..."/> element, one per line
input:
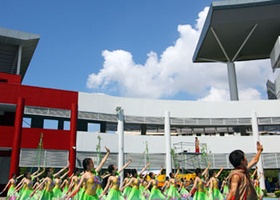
<point x="255" y="129"/>
<point x="168" y="163"/>
<point x="19" y="59"/>
<point x="220" y="44"/>
<point x="232" y="81"/>
<point x="244" y="42"/>
<point x="120" y="132"/>
<point x="73" y="136"/>
<point x="17" y="137"/>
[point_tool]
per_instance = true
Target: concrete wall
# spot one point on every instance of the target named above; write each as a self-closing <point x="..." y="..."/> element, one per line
<point x="189" y="109"/>
<point x="87" y="142"/>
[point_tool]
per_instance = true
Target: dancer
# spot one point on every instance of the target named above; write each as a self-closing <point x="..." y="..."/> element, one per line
<point x="21" y="187"/>
<point x="165" y="186"/>
<point x="39" y="192"/>
<point x="198" y="190"/>
<point x="143" y="184"/>
<point x="224" y="187"/>
<point x="12" y="185"/>
<point x="214" y="185"/>
<point x="127" y="189"/>
<point x="49" y="184"/>
<point x="57" y="193"/>
<point x="257" y="186"/>
<point x="114" y="183"/>
<point x="155" y="192"/>
<point x="65" y="185"/>
<point x="89" y="178"/>
<point x="135" y="182"/>
<point x="241" y="186"/>
<point x="183" y="191"/>
<point x="27" y="185"/>
<point x="172" y="192"/>
<point x="99" y="189"/>
<point x="74" y="182"/>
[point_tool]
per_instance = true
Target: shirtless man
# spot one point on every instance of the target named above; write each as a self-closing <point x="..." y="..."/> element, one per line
<point x="241" y="186"/>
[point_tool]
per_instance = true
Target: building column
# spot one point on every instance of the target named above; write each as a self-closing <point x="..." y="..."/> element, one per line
<point x="73" y="137"/>
<point x="143" y="129"/>
<point x="232" y="81"/>
<point x="120" y="132"/>
<point x="168" y="163"/>
<point x="19" y="59"/>
<point x="60" y="125"/>
<point x="103" y="127"/>
<point x="37" y="122"/>
<point x="17" y="137"/>
<point x="255" y="129"/>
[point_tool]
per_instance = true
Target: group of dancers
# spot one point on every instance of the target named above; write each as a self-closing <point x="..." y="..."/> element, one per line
<point x="90" y="185"/>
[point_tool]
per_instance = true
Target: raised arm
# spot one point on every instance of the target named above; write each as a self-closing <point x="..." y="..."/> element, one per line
<point x="20" y="183"/>
<point x="256" y="158"/>
<point x="141" y="172"/>
<point x="60" y="171"/>
<point x="259" y="176"/>
<point x="159" y="172"/>
<point x="65" y="174"/>
<point x="36" y="172"/>
<point x="103" y="160"/>
<point x="254" y="173"/>
<point x="19" y="176"/>
<point x="178" y="171"/>
<point x="6" y="186"/>
<point x="126" y="164"/>
<point x="219" y="172"/>
<point x="39" y="174"/>
<point x="105" y="176"/>
<point x="206" y="170"/>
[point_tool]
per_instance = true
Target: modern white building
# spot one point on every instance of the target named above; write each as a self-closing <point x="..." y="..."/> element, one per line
<point x="161" y="132"/>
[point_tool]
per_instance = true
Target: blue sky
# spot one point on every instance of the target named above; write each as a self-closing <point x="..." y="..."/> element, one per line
<point x="125" y="48"/>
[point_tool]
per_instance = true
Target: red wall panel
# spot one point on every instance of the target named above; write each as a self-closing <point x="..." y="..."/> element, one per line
<point x="52" y="139"/>
<point x="6" y="136"/>
<point x="36" y="96"/>
<point x="10" y="78"/>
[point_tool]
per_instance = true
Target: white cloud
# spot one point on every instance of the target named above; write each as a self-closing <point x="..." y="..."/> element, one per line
<point x="216" y="95"/>
<point x="174" y="72"/>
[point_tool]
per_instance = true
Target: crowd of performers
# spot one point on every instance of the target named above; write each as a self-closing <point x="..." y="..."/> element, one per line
<point x="90" y="185"/>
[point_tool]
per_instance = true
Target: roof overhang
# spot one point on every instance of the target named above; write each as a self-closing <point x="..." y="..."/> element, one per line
<point x="10" y="42"/>
<point x="237" y="30"/>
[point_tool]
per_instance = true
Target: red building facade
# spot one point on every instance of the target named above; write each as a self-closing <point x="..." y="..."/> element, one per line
<point x="14" y="98"/>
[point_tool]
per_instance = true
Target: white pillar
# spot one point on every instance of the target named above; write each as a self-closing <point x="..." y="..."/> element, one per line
<point x="255" y="129"/>
<point x="232" y="81"/>
<point x="120" y="132"/>
<point x="168" y="163"/>
<point x="19" y="59"/>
